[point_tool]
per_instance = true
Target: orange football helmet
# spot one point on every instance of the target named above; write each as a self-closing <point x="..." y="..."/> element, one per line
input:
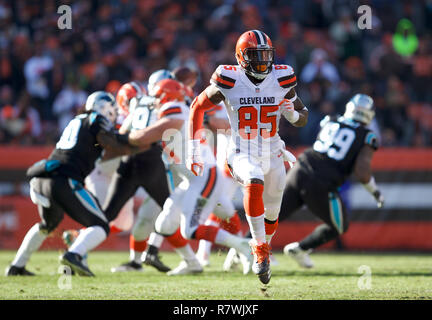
<point x="126" y="93"/>
<point x="255" y="53"/>
<point x="169" y="90"/>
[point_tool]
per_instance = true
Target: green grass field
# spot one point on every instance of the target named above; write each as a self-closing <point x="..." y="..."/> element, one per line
<point x="335" y="276"/>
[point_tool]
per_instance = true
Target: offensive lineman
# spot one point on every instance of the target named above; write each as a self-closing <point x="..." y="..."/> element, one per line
<point x="344" y="146"/>
<point x="256" y="93"/>
<point x="57" y="185"/>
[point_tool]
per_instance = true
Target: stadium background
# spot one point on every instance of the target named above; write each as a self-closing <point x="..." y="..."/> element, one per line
<point x="46" y="74"/>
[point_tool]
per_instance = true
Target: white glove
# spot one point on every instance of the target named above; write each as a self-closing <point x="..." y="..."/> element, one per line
<point x="373" y="190"/>
<point x="288" y="157"/>
<point x="287" y="109"/>
<point x="379" y="198"/>
<point x="194" y="162"/>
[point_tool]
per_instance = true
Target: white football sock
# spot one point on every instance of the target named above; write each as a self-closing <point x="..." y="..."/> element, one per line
<point x="88" y="239"/>
<point x="186" y="252"/>
<point x="135" y="255"/>
<point x="227" y="239"/>
<point x="155" y="240"/>
<point x="31" y="243"/>
<point x="257" y="228"/>
<point x="204" y="249"/>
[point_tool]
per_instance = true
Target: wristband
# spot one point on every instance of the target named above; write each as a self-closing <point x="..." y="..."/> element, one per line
<point x="194" y="147"/>
<point x="371" y="186"/>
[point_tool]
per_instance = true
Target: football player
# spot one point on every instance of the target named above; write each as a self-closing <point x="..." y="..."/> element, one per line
<point x="195" y="197"/>
<point x="144" y="170"/>
<point x="344" y="146"/>
<point x="256" y="93"/>
<point x="57" y="184"/>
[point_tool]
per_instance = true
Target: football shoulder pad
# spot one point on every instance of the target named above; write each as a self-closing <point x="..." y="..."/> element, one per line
<point x="172" y="110"/>
<point x="371" y="140"/>
<point x="225" y="76"/>
<point x="285" y="75"/>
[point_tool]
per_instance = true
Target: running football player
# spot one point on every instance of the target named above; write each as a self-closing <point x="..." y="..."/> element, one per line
<point x="344" y="146"/>
<point x="256" y="93"/>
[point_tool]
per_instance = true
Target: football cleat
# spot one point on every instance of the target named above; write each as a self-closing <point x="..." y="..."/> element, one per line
<point x="204" y="261"/>
<point x="69" y="236"/>
<point x="128" y="267"/>
<point x="186" y="267"/>
<point x="74" y="261"/>
<point x="299" y="255"/>
<point x="154" y="261"/>
<point x="17" y="271"/>
<point x="261" y="263"/>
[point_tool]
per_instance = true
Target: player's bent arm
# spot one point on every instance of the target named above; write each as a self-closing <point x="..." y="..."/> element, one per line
<point x="363" y="173"/>
<point x="154" y="132"/>
<point x="362" y="166"/>
<point x="116" y="145"/>
<point x="206" y="100"/>
<point x="299" y="107"/>
<point x="127" y="124"/>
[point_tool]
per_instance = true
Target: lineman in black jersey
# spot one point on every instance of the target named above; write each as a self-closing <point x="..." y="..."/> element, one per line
<point x="344" y="146"/>
<point x="57" y="184"/>
<point x="145" y="170"/>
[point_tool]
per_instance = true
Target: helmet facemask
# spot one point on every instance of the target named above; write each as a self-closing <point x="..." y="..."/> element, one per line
<point x="107" y="109"/>
<point x="360" y="108"/>
<point x="257" y="62"/>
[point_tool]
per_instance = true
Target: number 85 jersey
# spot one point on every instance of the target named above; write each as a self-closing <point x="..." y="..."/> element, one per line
<point x="253" y="109"/>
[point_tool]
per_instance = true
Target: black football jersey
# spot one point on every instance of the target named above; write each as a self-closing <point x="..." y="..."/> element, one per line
<point x="142" y="117"/>
<point x="333" y="154"/>
<point x="77" y="149"/>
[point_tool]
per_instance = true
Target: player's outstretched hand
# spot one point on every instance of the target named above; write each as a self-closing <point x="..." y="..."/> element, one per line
<point x="379" y="198"/>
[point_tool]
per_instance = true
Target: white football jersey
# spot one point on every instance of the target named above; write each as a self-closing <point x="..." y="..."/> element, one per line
<point x="253" y="109"/>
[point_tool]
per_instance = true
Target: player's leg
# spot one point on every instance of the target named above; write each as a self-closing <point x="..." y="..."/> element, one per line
<point x="167" y="224"/>
<point x="249" y="173"/>
<point x="155" y="180"/>
<point x="83" y="207"/>
<point x="274" y="184"/>
<point x="200" y="200"/>
<point x="224" y="216"/>
<point x="204" y="247"/>
<point x="51" y="215"/>
<point x="291" y="202"/>
<point x="122" y="187"/>
<point x="334" y="214"/>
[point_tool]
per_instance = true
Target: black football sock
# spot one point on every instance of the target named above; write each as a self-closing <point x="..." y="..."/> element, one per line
<point x="322" y="234"/>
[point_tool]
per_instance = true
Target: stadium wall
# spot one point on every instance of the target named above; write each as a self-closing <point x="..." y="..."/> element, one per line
<point x="405" y="223"/>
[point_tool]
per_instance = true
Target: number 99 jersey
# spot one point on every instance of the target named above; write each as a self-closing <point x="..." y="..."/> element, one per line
<point x="336" y="148"/>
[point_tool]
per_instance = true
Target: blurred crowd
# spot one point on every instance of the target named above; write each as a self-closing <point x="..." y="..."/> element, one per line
<point x="46" y="72"/>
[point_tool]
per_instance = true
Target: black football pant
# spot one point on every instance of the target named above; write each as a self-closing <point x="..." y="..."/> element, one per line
<point x="68" y="196"/>
<point x="304" y="188"/>
<point x="148" y="172"/>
